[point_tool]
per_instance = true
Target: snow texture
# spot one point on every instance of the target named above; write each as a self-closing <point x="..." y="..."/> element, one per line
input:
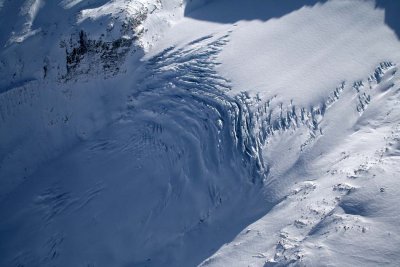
<point x="199" y="133"/>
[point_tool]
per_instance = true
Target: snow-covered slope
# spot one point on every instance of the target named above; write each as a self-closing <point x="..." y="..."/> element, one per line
<point x="204" y="132"/>
<point x="60" y="67"/>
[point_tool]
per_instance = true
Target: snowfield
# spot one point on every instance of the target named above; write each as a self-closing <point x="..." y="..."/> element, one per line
<point x="199" y="133"/>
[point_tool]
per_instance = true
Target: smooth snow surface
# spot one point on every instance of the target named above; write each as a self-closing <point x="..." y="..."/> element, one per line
<point x="327" y="49"/>
<point x="199" y="133"/>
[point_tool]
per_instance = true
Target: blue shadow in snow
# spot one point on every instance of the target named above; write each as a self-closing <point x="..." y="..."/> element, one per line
<point x="392" y="14"/>
<point x="231" y="11"/>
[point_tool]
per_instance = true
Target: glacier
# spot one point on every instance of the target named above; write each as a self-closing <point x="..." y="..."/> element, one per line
<point x="199" y="133"/>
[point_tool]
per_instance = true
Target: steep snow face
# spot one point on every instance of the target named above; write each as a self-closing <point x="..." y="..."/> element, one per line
<point x="53" y="30"/>
<point x="245" y="133"/>
<point x="54" y="60"/>
<point x="134" y="18"/>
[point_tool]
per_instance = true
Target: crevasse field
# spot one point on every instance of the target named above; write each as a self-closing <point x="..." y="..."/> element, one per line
<point x="199" y="133"/>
